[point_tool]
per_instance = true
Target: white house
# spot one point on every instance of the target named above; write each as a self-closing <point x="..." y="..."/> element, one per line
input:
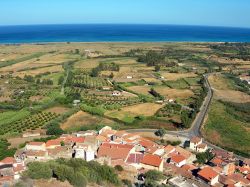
<point x="129" y="77"/>
<point x="89" y="154"/>
<point x="35" y="146"/>
<point x="194" y="142"/>
<point x="85" y="153"/>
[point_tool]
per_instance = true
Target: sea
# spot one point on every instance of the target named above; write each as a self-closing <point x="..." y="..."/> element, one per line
<point x="120" y="33"/>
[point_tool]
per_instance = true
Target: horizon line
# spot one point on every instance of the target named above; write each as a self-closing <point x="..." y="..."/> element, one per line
<point x="166" y="24"/>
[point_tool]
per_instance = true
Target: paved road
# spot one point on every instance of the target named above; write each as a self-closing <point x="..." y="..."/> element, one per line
<point x="197" y="123"/>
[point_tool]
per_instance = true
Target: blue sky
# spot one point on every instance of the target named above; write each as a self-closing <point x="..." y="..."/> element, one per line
<point x="234" y="13"/>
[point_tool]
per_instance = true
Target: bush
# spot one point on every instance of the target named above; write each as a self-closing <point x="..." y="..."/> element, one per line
<point x="77" y="171"/>
<point x="39" y="170"/>
<point x="118" y="168"/>
<point x="54" y="130"/>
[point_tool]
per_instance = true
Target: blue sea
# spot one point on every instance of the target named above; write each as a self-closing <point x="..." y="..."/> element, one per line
<point x="121" y="33"/>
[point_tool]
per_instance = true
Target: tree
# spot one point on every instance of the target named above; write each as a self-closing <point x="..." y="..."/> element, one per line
<point x="185" y="119"/>
<point x="39" y="170"/>
<point x="157" y="68"/>
<point x="38" y="81"/>
<point x="111" y="75"/>
<point x="160" y="132"/>
<point x="153" y="177"/>
<point x="127" y="182"/>
<point x="60" y="80"/>
<point x="54" y="130"/>
<point x="203" y="158"/>
<point x="118" y="168"/>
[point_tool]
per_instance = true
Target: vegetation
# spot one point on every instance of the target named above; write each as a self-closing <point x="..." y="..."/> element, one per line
<point x="205" y="157"/>
<point x="153" y="177"/>
<point x="4" y="150"/>
<point x="15" y="61"/>
<point x="160" y="132"/>
<point x="224" y="130"/>
<point x="77" y="171"/>
<point x="30" y="123"/>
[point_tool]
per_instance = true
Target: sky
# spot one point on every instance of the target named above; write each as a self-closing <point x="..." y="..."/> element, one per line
<point x="233" y="13"/>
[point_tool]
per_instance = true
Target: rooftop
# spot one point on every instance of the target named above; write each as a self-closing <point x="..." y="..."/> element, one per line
<point x="152" y="160"/>
<point x="207" y="173"/>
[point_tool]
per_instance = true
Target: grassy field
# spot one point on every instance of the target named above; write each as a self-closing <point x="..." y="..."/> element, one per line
<point x="128" y="114"/>
<point x="224" y="130"/>
<point x="81" y="119"/>
<point x="12" y="116"/>
<point x="135" y="108"/>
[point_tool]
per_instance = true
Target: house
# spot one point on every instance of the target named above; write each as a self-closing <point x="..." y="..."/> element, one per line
<point x="201" y="148"/>
<point x="85" y="153"/>
<point x="129" y="77"/>
<point x="60" y="152"/>
<point x="85" y="133"/>
<point x="52" y="144"/>
<point x="35" y="146"/>
<point x="31" y="134"/>
<point x="168" y="149"/>
<point x="116" y="93"/>
<point x="178" y="160"/>
<point x="115" y="151"/>
<point x="194" y="142"/>
<point x="239" y="179"/>
<point x="190" y="157"/>
<point x="208" y="175"/>
<point x="32" y="155"/>
<point x="152" y="162"/>
<point x="229" y="169"/>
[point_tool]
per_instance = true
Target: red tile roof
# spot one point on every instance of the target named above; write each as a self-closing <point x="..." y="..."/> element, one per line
<point x="169" y="148"/>
<point x="8" y="160"/>
<point x="189" y="167"/>
<point x="207" y="173"/>
<point x="237" y="177"/>
<point x="78" y="139"/>
<point x="114" y="151"/>
<point x="56" y="142"/>
<point x="146" y="143"/>
<point x="195" y="140"/>
<point x="216" y="161"/>
<point x="152" y="160"/>
<point x="177" y="158"/>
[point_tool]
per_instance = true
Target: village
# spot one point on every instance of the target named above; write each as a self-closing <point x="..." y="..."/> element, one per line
<point x="136" y="155"/>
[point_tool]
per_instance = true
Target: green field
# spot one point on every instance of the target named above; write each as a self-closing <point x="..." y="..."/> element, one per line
<point x="226" y="131"/>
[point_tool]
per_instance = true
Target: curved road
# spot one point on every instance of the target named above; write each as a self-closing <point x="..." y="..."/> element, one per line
<point x="195" y="128"/>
